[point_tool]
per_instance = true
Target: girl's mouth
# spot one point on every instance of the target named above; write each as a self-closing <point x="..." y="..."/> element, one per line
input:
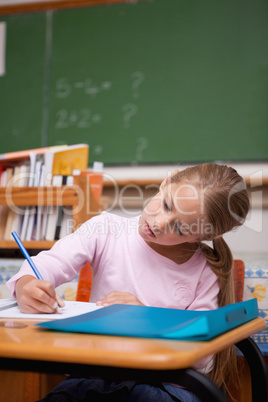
<point x="148" y="230"/>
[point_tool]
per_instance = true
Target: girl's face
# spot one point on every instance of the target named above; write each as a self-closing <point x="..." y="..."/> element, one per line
<point x="173" y="216"/>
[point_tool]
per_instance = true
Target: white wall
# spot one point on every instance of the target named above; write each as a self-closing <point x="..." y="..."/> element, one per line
<point x="151" y="172"/>
<point x="251" y="239"/>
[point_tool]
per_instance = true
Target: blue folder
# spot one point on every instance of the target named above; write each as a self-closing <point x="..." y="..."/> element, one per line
<point x="157" y="322"/>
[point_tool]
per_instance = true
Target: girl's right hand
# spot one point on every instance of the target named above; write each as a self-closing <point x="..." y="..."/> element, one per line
<point x="36" y="296"/>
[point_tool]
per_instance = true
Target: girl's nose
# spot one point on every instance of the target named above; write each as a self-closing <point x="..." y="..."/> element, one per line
<point x="160" y="224"/>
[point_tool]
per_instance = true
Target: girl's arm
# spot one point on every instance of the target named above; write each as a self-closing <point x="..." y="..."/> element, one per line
<point x="206" y="297"/>
<point x="58" y="265"/>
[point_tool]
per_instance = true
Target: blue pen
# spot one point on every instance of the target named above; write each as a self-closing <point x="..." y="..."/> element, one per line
<point x="26" y="255"/>
<point x="28" y="258"/>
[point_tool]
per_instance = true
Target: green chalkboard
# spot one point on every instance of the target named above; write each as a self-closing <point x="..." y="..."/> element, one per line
<point x="158" y="81"/>
<point x="22" y="84"/>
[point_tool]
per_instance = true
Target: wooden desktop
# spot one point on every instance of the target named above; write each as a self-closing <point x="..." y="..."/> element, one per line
<point x="29" y="348"/>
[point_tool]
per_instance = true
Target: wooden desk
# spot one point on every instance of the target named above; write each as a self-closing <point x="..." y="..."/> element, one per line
<point x="35" y="349"/>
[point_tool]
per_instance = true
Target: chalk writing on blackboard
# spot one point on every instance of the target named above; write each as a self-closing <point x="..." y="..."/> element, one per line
<point x="64" y="87"/>
<point x="82" y="118"/>
<point x="97" y="149"/>
<point x="129" y="110"/>
<point x="142" y="145"/>
<point x="137" y="79"/>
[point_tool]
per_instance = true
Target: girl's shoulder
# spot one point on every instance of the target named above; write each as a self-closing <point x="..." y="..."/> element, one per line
<point x="102" y="218"/>
<point x="109" y="224"/>
<point x="108" y="216"/>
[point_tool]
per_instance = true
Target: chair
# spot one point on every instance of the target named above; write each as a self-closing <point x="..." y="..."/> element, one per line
<point x="84" y="284"/>
<point x="239" y="277"/>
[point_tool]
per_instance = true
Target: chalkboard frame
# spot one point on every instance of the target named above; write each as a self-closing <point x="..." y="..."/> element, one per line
<point x="35" y="6"/>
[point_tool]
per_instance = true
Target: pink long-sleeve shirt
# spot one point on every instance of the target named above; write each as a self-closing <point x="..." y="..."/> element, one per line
<point x="122" y="261"/>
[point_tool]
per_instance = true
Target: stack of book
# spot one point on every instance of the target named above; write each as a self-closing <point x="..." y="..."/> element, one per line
<point x="53" y="166"/>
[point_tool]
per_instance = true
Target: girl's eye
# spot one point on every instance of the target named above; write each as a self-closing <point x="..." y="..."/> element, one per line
<point x="178" y="230"/>
<point x="167" y="208"/>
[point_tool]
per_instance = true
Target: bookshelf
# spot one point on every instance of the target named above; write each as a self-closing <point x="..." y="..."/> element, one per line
<point x="78" y="196"/>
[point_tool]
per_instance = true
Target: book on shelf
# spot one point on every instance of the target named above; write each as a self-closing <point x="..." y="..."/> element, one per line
<point x="6" y="181"/>
<point x="18" y="156"/>
<point x="52" y="213"/>
<point x="57" y="216"/>
<point x="15" y="214"/>
<point x="19" y="213"/>
<point x="40" y="208"/>
<point x="6" y="176"/>
<point x="65" y="214"/>
<point x="61" y="163"/>
<point x="29" y="210"/>
<point x="30" y="231"/>
<point x="64" y="161"/>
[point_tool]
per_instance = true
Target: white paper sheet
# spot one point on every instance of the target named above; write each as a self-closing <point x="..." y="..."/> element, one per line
<point x="10" y="309"/>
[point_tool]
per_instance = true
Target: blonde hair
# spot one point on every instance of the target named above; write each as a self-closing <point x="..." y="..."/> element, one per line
<point x="225" y="206"/>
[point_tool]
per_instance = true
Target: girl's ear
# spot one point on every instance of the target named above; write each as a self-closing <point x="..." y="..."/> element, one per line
<point x="167" y="179"/>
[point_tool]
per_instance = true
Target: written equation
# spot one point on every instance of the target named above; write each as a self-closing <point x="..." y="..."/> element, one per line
<point x="93" y="109"/>
<point x="84" y="117"/>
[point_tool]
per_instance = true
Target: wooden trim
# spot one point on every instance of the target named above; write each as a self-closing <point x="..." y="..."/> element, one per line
<point x="88" y="205"/>
<point x="53" y="5"/>
<point x="262" y="182"/>
<point x="32" y="196"/>
<point x="35" y="245"/>
<point x="64" y="195"/>
<point x="140" y="183"/>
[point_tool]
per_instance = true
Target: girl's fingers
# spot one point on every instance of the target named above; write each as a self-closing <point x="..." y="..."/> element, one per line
<point x="34" y="306"/>
<point x="39" y="296"/>
<point x="43" y="295"/>
<point x="59" y="301"/>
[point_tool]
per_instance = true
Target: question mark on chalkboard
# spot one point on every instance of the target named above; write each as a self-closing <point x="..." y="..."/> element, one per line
<point x="143" y="144"/>
<point x="138" y="78"/>
<point x="129" y="111"/>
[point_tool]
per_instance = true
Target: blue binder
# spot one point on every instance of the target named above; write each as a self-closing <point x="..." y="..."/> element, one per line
<point x="157" y="322"/>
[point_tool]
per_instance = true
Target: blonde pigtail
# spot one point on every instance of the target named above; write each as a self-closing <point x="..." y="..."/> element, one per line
<point x="221" y="261"/>
<point x="224" y="371"/>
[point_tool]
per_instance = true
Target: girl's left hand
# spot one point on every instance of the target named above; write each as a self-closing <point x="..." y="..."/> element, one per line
<point x="119" y="298"/>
